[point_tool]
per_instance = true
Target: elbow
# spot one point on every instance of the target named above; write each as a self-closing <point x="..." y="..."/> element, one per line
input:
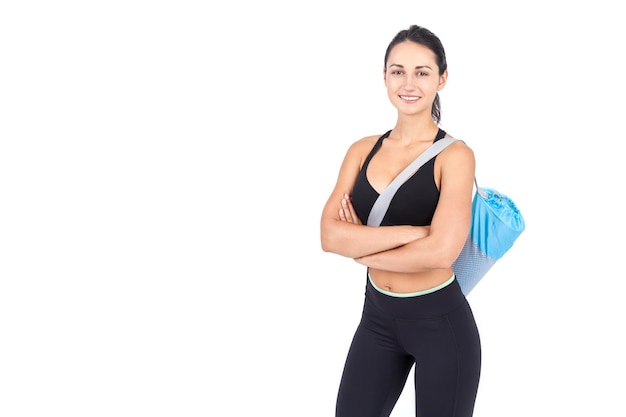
<point x="444" y="259"/>
<point x="326" y="247"/>
<point x="326" y="240"/>
<point x="449" y="259"/>
<point x="332" y="242"/>
<point x="441" y="264"/>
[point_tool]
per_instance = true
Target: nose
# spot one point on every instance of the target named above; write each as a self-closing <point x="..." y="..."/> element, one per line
<point x="410" y="81"/>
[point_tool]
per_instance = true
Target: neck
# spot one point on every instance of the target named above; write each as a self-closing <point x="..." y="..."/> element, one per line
<point x="420" y="130"/>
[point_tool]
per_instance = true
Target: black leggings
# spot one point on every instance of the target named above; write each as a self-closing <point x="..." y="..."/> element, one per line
<point x="436" y="332"/>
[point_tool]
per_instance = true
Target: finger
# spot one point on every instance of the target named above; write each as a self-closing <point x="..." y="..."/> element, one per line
<point x="355" y="217"/>
<point x="346" y="210"/>
<point x="350" y="208"/>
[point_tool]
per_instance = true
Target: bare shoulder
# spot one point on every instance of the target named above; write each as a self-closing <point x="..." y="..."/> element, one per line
<point x="366" y="142"/>
<point x="362" y="147"/>
<point x="459" y="149"/>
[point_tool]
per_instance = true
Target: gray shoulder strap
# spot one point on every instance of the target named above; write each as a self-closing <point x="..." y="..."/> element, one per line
<point x="382" y="202"/>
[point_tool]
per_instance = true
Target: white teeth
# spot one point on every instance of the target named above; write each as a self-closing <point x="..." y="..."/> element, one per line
<point x="410" y="98"/>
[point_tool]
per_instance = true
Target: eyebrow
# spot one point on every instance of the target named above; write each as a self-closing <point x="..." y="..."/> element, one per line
<point x="416" y="67"/>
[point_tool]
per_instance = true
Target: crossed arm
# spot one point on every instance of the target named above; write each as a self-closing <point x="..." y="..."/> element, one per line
<point x="348" y="214"/>
<point x="403" y="248"/>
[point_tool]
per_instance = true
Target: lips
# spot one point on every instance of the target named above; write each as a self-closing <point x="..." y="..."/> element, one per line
<point x="409" y="98"/>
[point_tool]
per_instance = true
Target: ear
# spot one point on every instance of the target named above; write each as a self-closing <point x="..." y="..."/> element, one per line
<point x="385" y="74"/>
<point x="443" y="78"/>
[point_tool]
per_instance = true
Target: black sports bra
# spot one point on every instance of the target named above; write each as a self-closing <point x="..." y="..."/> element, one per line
<point x="414" y="202"/>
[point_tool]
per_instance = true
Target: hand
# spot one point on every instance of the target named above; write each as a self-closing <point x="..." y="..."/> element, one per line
<point x="346" y="212"/>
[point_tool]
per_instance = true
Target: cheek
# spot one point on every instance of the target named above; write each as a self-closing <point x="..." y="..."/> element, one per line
<point x="434" y="86"/>
<point x="393" y="83"/>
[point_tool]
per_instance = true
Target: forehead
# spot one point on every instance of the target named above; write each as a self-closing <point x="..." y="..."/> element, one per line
<point x="411" y="54"/>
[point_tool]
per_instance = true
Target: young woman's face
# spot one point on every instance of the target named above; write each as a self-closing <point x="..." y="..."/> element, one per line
<point x="412" y="78"/>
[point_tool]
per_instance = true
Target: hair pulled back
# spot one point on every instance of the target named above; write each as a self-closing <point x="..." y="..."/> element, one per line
<point x="424" y="37"/>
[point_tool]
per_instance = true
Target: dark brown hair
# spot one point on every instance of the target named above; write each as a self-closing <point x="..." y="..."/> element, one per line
<point x="425" y="37"/>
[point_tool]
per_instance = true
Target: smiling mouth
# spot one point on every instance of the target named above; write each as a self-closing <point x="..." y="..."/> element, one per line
<point x="409" y="98"/>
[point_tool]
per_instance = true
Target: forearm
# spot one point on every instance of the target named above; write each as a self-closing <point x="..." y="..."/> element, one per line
<point x="356" y="241"/>
<point x="416" y="256"/>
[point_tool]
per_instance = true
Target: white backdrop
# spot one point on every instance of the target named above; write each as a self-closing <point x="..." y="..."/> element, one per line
<point x="163" y="166"/>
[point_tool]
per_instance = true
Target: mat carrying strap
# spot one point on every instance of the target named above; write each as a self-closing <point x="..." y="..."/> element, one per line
<point x="382" y="202"/>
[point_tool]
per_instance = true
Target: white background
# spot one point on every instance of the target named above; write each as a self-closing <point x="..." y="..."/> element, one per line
<point x="163" y="166"/>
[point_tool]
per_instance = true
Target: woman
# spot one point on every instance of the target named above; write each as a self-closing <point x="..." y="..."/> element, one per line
<point x="414" y="311"/>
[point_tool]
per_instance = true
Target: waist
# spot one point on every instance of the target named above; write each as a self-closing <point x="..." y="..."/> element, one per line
<point x="413" y="293"/>
<point x="402" y="283"/>
<point x="434" y="304"/>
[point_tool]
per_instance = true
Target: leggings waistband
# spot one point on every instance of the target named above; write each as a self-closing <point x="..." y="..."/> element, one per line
<point x="436" y="303"/>
<point x="412" y="294"/>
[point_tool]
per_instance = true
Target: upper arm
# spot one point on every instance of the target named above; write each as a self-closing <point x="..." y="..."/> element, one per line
<point x="451" y="220"/>
<point x="348" y="172"/>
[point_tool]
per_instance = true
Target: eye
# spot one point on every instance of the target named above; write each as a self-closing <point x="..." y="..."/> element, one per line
<point x="397" y="72"/>
<point x="422" y="74"/>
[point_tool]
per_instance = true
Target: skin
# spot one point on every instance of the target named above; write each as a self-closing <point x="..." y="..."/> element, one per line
<point x="404" y="258"/>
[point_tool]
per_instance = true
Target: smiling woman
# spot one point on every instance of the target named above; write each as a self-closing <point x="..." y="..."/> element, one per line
<point x="415" y="312"/>
<point x="411" y="81"/>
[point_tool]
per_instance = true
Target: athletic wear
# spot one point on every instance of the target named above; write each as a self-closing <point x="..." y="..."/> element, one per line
<point x="412" y="294"/>
<point x="404" y="208"/>
<point x="436" y="332"/>
<point x="433" y="330"/>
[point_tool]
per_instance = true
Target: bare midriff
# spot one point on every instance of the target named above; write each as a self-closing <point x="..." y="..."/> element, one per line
<point x="402" y="282"/>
